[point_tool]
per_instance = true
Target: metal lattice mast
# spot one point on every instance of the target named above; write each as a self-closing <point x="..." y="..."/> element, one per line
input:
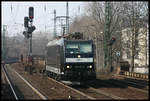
<point x="54" y="24"/>
<point x="67" y="18"/>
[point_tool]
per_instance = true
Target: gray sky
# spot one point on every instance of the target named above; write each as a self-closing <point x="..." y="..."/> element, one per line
<point x="13" y="14"/>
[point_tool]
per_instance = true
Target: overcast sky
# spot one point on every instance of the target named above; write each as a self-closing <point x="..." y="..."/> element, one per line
<point x="13" y="14"/>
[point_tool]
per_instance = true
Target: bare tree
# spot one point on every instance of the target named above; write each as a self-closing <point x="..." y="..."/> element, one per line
<point x="133" y="13"/>
<point x="97" y="11"/>
<point x="92" y="24"/>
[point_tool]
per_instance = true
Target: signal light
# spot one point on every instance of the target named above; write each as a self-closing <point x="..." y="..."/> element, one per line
<point x="26" y="23"/>
<point x="111" y="42"/>
<point x="113" y="38"/>
<point x="31" y="13"/>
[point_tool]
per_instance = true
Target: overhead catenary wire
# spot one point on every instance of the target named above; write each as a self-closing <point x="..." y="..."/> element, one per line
<point x="15" y="10"/>
<point x="45" y="8"/>
<point x="14" y="13"/>
<point x="11" y="7"/>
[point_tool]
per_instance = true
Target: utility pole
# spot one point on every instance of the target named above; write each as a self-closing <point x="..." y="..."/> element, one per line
<point x="109" y="16"/>
<point x="62" y="26"/>
<point x="3" y="42"/>
<point x="146" y="47"/>
<point x="54" y="24"/>
<point x="107" y="34"/>
<point x="67" y="18"/>
<point x="133" y="39"/>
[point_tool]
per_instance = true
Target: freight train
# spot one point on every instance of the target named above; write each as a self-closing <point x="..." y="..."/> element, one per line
<point x="70" y="59"/>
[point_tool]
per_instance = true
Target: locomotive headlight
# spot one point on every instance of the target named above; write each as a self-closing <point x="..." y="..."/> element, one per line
<point x="90" y="66"/>
<point x="79" y="56"/>
<point x="68" y="67"/>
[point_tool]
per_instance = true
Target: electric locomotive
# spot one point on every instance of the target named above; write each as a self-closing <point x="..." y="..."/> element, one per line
<point x="70" y="59"/>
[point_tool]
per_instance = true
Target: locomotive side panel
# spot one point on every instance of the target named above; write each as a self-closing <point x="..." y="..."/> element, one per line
<point x="53" y="59"/>
<point x="62" y="58"/>
<point x="51" y="56"/>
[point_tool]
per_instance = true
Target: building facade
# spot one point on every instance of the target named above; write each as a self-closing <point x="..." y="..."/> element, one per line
<point x="141" y="58"/>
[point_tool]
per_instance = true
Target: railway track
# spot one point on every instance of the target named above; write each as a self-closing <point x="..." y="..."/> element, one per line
<point x="89" y="97"/>
<point x="21" y="88"/>
<point x="75" y="93"/>
<point x="129" y="85"/>
<point x="10" y="85"/>
<point x="121" y="90"/>
<point x="97" y="94"/>
<point x="100" y="89"/>
<point x="89" y="92"/>
<point x="54" y="89"/>
<point x="139" y="84"/>
<point x="94" y="93"/>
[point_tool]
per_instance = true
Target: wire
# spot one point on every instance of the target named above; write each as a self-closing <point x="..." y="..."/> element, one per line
<point x="45" y="8"/>
<point x="16" y="13"/>
<point x="11" y="7"/>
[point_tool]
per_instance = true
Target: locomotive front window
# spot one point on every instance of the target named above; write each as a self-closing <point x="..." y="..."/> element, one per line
<point x="85" y="48"/>
<point x="72" y="48"/>
<point x="78" y="48"/>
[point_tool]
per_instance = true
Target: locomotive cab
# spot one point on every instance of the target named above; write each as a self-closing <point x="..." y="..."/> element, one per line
<point x="79" y="61"/>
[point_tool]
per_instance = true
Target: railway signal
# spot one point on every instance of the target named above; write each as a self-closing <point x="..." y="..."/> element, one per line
<point x="28" y="34"/>
<point x="31" y="28"/>
<point x="31" y="13"/>
<point x="26" y="23"/>
<point x="111" y="42"/>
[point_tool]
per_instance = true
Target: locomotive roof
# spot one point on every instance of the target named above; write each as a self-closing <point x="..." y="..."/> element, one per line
<point x="61" y="41"/>
<point x="56" y="42"/>
<point x="79" y="40"/>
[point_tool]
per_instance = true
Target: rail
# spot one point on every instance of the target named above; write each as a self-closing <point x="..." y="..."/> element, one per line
<point x="26" y="82"/>
<point x="34" y="89"/>
<point x="15" y="95"/>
